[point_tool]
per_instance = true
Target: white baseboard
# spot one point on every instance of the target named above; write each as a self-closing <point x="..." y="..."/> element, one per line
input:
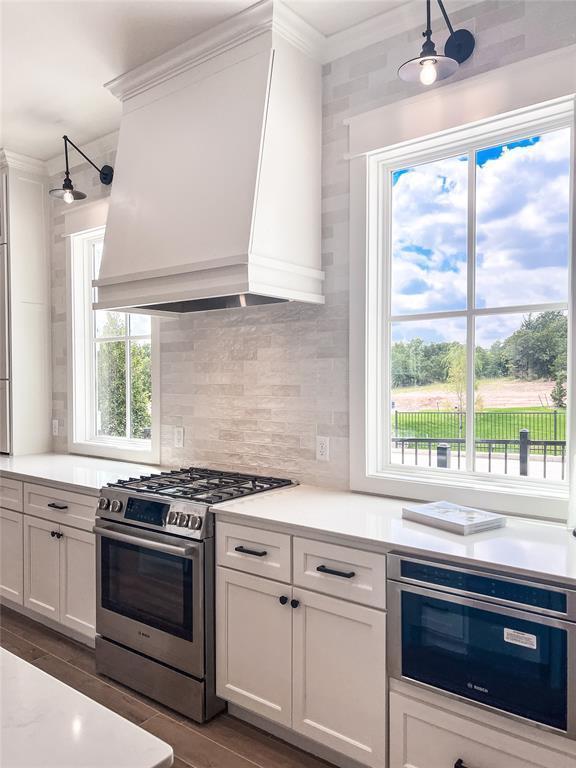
<point x="55" y="625"/>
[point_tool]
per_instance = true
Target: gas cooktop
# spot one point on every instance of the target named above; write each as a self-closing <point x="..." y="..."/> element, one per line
<point x="208" y="486"/>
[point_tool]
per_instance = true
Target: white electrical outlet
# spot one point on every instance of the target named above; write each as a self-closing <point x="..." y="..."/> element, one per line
<point x="178" y="437"/>
<point x="55" y="427"/>
<point x="322" y="449"/>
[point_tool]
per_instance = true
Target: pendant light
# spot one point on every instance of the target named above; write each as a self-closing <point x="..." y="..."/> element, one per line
<point x="431" y="66"/>
<point x="67" y="192"/>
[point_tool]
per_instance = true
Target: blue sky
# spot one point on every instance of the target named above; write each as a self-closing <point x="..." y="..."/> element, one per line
<point x="522" y="231"/>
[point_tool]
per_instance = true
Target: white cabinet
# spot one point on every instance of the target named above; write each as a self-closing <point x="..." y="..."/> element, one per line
<point x="42" y="566"/>
<point x="11" y="556"/>
<point x="431" y="731"/>
<point x="77" y="580"/>
<point x="254" y="644"/>
<point x="24" y="306"/>
<point x="339" y="675"/>
<point x="59" y="573"/>
<point x="313" y="663"/>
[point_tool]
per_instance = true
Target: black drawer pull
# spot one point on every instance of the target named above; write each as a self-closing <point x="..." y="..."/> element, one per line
<point x="55" y="505"/>
<point x="333" y="572"/>
<point x="246" y="551"/>
<point x="460" y="763"/>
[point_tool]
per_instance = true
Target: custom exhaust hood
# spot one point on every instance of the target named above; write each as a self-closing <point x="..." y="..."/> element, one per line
<point x="216" y="194"/>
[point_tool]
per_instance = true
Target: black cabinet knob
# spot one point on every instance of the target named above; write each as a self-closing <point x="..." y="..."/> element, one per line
<point x="294" y="603"/>
<point x="460" y="763"/>
<point x="53" y="534"/>
<point x="283" y="600"/>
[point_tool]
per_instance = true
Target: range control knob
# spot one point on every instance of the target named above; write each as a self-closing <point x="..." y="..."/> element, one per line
<point x="182" y="520"/>
<point x="195" y="522"/>
<point x="116" y="505"/>
<point x="103" y="502"/>
<point x="172" y="517"/>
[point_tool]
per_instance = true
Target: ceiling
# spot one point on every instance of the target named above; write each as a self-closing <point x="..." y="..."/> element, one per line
<point x="57" y="54"/>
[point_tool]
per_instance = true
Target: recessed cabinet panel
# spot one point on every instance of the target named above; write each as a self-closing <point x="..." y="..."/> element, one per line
<point x="424" y="735"/>
<point x="42" y="567"/>
<point x="253" y="550"/>
<point x="254" y="644"/>
<point x="78" y="580"/>
<point x="339" y="694"/>
<point x="11" y="494"/>
<point x="61" y="506"/>
<point x="11" y="556"/>
<point x="340" y="571"/>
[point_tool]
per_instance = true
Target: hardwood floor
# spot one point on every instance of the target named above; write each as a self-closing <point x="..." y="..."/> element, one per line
<point x="224" y="742"/>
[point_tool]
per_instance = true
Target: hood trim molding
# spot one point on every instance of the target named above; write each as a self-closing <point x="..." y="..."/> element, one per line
<point x="266" y="16"/>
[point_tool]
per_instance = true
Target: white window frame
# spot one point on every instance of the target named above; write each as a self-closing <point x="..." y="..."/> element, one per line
<point x="82" y="437"/>
<point x="370" y="315"/>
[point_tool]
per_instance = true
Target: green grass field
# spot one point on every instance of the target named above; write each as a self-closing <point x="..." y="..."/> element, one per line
<point x="491" y="423"/>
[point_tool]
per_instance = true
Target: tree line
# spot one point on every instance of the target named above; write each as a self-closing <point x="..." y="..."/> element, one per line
<point x="537" y="350"/>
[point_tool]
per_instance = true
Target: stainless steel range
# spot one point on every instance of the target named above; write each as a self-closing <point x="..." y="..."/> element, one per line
<point x="155" y="582"/>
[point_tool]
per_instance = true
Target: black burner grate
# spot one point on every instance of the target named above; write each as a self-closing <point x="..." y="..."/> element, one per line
<point x="209" y="486"/>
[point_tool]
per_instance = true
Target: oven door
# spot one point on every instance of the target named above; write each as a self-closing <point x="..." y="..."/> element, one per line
<point x="150" y="594"/>
<point x="517" y="662"/>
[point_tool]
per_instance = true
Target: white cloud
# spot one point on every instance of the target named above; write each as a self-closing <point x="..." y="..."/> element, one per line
<point x="522" y="230"/>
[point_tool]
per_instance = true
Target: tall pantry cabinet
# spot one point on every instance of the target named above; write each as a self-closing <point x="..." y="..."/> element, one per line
<point x="25" y="338"/>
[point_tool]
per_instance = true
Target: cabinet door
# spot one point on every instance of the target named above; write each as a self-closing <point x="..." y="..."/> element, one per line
<point x="339" y="693"/>
<point x="254" y="644"/>
<point x="42" y="567"/>
<point x="11" y="556"/>
<point x="78" y="580"/>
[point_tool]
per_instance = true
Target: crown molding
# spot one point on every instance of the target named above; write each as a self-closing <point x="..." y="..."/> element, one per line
<point x="265" y="16"/>
<point x="388" y="24"/>
<point x="9" y="159"/>
<point x="93" y="149"/>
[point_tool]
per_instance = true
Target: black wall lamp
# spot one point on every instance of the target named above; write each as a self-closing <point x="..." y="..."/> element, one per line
<point x="67" y="192"/>
<point x="431" y="66"/>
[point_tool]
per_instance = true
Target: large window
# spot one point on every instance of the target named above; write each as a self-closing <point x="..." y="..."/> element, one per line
<point x="112" y="410"/>
<point x="468" y="317"/>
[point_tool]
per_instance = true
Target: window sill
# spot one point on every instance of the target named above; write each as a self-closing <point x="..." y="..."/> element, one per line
<point x="532" y="499"/>
<point x="130" y="451"/>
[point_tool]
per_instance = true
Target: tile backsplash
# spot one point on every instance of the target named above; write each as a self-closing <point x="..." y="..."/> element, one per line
<point x="254" y="387"/>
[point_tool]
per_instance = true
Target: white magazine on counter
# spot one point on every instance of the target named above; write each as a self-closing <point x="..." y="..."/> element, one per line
<point x="453" y="517"/>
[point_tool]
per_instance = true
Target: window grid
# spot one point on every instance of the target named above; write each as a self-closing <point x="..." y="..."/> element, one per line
<point x="472" y="312"/>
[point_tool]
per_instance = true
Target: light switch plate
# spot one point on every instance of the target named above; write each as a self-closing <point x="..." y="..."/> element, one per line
<point x="55" y="427"/>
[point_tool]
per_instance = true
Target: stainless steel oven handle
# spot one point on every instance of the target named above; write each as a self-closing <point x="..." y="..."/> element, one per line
<point x="142" y="541"/>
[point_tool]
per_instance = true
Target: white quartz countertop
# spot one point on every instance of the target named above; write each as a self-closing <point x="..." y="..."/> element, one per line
<point x="82" y="474"/>
<point x="373" y="522"/>
<point x="46" y="723"/>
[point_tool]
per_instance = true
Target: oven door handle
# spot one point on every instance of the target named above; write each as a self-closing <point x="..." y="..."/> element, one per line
<point x="144" y="541"/>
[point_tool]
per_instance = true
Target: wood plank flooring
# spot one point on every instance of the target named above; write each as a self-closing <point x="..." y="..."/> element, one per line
<point x="224" y="742"/>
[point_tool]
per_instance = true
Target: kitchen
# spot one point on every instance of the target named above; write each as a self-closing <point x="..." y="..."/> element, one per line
<point x="237" y="330"/>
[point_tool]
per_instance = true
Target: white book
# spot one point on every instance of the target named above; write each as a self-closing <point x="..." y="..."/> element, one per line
<point x="453" y="517"/>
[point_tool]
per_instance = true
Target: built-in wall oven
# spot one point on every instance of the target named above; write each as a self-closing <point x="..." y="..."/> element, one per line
<point x="499" y="642"/>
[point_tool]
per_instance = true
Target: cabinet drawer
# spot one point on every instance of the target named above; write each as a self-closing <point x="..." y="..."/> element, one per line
<point x="427" y="735"/>
<point x="253" y="550"/>
<point x="341" y="571"/>
<point x="60" y="506"/>
<point x="11" y="494"/>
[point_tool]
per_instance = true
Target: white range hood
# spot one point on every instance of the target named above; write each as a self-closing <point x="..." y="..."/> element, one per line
<point x="216" y="194"/>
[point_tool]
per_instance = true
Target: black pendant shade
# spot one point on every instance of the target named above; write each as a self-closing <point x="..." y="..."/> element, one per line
<point x="67" y="192"/>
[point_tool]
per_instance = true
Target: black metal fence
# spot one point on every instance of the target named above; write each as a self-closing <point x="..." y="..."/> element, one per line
<point x="448" y="453"/>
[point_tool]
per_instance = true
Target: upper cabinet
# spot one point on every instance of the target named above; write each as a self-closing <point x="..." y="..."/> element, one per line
<point x="25" y="392"/>
<point x="216" y="195"/>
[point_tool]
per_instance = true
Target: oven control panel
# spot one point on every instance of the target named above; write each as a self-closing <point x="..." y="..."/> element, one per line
<point x="172" y="517"/>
